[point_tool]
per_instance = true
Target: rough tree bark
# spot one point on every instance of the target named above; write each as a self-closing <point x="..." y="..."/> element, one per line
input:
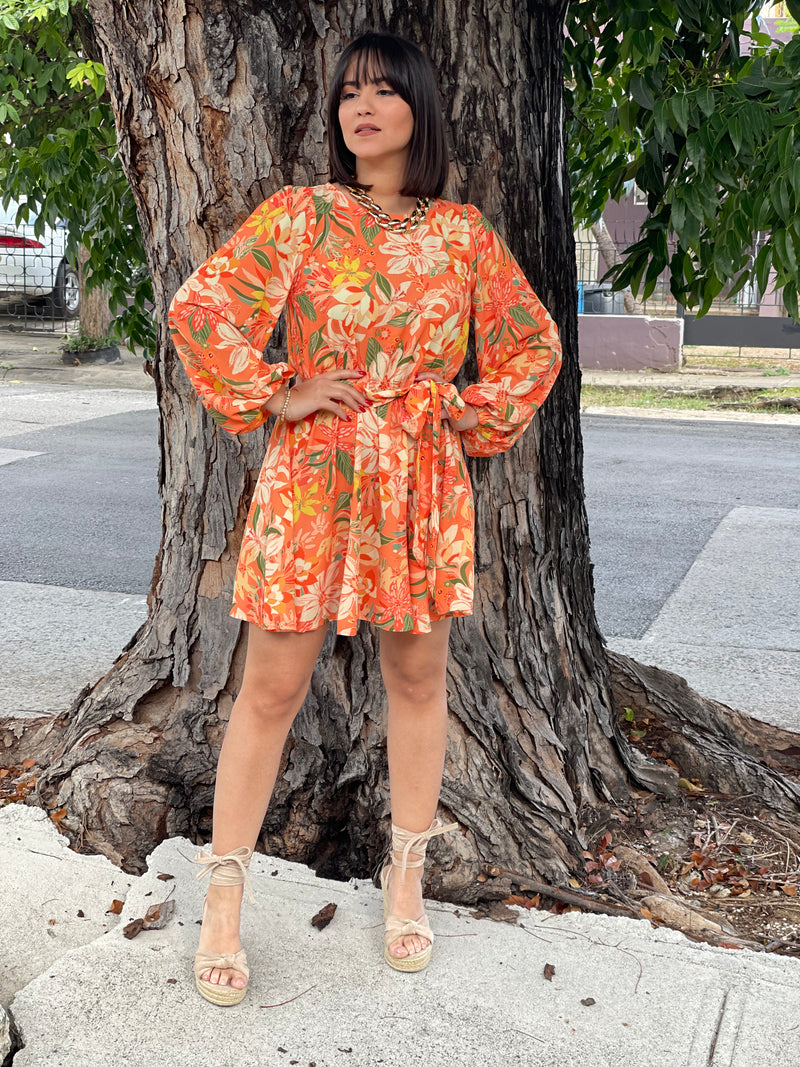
<point x="217" y="105"/>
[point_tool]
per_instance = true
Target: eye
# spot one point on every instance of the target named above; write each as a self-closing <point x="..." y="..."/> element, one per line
<point x="390" y="92"/>
<point x="346" y="96"/>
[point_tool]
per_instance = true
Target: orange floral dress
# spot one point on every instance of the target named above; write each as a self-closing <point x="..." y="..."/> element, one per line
<point x="372" y="517"/>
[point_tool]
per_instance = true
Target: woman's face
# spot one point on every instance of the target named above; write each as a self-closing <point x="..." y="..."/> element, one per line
<point x="376" y="121"/>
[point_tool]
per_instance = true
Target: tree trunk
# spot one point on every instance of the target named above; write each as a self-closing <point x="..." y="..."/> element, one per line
<point x="217" y="106"/>
<point x="95" y="313"/>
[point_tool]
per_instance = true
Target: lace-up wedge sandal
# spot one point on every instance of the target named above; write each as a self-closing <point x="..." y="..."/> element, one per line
<point x="406" y="841"/>
<point x="230" y="869"/>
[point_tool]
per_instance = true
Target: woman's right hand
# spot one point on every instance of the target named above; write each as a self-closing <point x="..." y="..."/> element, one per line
<point x="322" y="392"/>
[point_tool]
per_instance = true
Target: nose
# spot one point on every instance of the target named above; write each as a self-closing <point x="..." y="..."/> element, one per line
<point x="365" y="101"/>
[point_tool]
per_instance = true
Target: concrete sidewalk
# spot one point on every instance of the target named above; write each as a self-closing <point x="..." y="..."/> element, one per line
<point x="81" y="994"/>
<point x="622" y="992"/>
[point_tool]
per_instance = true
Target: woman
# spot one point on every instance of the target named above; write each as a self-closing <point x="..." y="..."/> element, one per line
<point x="363" y="508"/>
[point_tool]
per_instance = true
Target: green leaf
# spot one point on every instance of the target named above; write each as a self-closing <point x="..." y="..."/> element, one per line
<point x="369" y="232"/>
<point x="705" y="100"/>
<point x="735" y="133"/>
<point x="343" y="501"/>
<point x="383" y="284"/>
<point x="315" y="342"/>
<point x="784" y="246"/>
<point x="762" y="265"/>
<point x="679" y="106"/>
<point x="261" y="258"/>
<point x="782" y="200"/>
<point x="323" y="234"/>
<point x="786" y="146"/>
<point x="641" y="93"/>
<point x="322" y="205"/>
<point x="521" y="315"/>
<point x="345" y="464"/>
<point x="307" y="306"/>
<point x="796" y="177"/>
<point x="661" y="117"/>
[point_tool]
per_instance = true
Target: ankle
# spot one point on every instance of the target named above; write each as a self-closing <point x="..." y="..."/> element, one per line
<point x="224" y="897"/>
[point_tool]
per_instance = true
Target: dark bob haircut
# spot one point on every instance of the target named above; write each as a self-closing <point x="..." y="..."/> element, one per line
<point x="409" y="72"/>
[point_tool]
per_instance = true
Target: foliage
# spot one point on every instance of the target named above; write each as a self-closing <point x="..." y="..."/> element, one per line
<point x="58" y="152"/>
<point x="660" y="95"/>
<point x="84" y="342"/>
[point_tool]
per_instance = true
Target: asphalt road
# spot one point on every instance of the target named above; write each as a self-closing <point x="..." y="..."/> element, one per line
<point x="655" y="491"/>
<point x="85" y="513"/>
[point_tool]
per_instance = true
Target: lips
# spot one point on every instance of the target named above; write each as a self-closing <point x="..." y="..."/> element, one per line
<point x="367" y="127"/>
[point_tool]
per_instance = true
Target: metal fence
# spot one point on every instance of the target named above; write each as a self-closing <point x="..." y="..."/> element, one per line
<point x="38" y="289"/>
<point x="661" y="303"/>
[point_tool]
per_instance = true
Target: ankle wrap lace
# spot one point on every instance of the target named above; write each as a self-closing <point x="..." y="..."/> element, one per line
<point x="230" y="869"/>
<point x="406" y="841"/>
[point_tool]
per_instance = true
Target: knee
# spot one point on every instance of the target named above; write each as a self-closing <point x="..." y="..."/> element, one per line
<point x="417" y="689"/>
<point x="273" y="702"/>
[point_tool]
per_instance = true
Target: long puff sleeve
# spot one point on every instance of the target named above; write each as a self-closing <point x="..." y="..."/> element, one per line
<point x="223" y="315"/>
<point x="516" y="343"/>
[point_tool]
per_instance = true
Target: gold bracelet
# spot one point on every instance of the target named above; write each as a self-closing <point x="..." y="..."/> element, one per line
<point x="285" y="403"/>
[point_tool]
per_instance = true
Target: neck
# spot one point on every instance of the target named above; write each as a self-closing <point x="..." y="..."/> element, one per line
<point x="386" y="179"/>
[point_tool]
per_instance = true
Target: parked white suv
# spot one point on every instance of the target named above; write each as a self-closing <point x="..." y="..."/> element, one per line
<point x="33" y="269"/>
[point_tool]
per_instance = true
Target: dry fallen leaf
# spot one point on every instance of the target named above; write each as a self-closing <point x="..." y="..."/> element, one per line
<point x="520" y="902"/>
<point x="133" y="928"/>
<point x="324" y="916"/>
<point x="158" y="916"/>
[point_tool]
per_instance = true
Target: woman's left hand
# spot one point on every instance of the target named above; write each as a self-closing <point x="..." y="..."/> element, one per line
<point x="469" y="416"/>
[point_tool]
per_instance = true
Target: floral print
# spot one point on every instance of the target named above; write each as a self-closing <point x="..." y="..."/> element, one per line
<point x="369" y="517"/>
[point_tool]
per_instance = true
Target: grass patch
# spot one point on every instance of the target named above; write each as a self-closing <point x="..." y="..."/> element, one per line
<point x="609" y="396"/>
<point x="747" y="359"/>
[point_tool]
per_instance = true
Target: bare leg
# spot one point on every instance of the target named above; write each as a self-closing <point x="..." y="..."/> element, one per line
<point x="277" y="674"/>
<point x="414" y="672"/>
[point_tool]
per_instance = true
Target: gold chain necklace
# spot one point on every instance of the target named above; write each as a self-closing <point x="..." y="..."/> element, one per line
<point x="383" y="218"/>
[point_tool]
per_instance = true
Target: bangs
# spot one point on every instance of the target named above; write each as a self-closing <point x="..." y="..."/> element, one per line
<point x="374" y="66"/>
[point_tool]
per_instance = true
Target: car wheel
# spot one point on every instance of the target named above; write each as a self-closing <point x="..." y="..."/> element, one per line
<point x="66" y="296"/>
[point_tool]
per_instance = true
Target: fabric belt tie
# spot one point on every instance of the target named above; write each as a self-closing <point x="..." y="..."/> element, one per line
<point x="426" y="403"/>
<point x="418" y="407"/>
